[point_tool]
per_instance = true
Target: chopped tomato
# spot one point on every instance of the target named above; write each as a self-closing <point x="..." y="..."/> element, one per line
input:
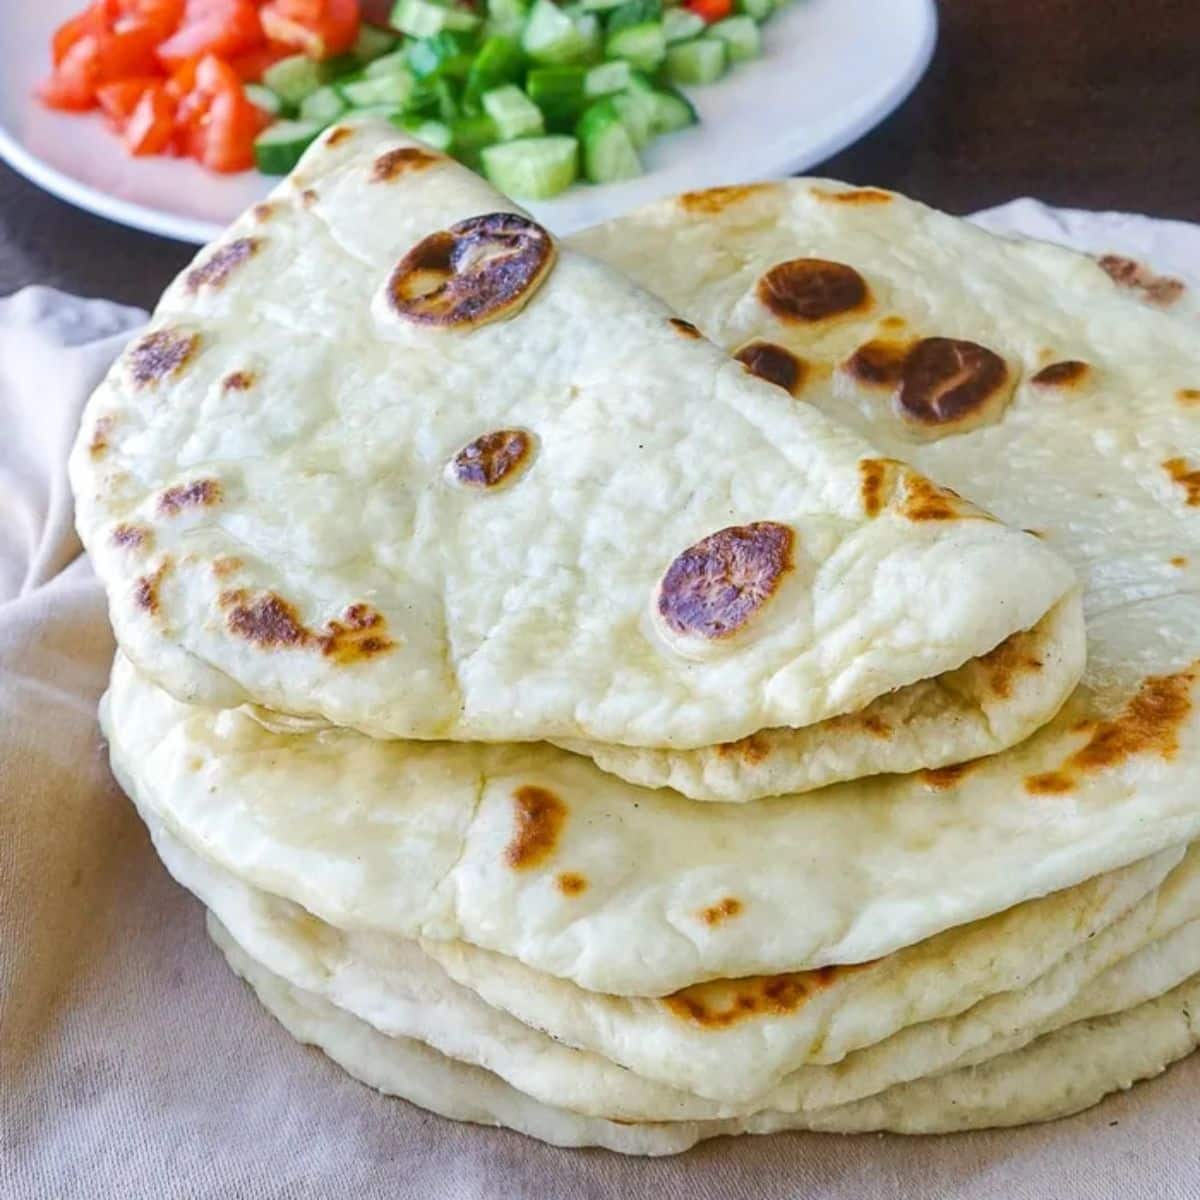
<point x="223" y="27"/>
<point x="97" y="58"/>
<point x="215" y="122"/>
<point x="151" y="125"/>
<point x="119" y="99"/>
<point x="711" y="10"/>
<point x="319" y="28"/>
<point x="92" y="20"/>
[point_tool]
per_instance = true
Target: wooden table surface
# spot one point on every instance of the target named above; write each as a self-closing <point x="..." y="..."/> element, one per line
<point x="1089" y="103"/>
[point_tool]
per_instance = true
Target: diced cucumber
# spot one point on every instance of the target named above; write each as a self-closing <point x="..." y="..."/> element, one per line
<point x="741" y="35"/>
<point x="758" y="10"/>
<point x="324" y="105"/>
<point x="637" y="109"/>
<point x="559" y="93"/>
<point x="372" y="43"/>
<point x="550" y="36"/>
<point x="294" y="78"/>
<point x="279" y="147"/>
<point x="507" y="16"/>
<point x="445" y="53"/>
<point x="387" y="65"/>
<point x="500" y="60"/>
<point x="264" y="98"/>
<point x="435" y="99"/>
<point x="533" y="168"/>
<point x="432" y="133"/>
<point x="672" y="112"/>
<point x="393" y="89"/>
<point x="469" y="135"/>
<point x="607" y="149"/>
<point x="642" y="45"/>
<point x="681" y="24"/>
<point x="588" y="25"/>
<point x="607" y="78"/>
<point x="514" y="113"/>
<point x="424" y="18"/>
<point x="702" y="60"/>
<point x="600" y="5"/>
<point x="633" y="12"/>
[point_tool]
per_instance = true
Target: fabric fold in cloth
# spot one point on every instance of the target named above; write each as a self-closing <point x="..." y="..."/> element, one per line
<point x="132" y="1063"/>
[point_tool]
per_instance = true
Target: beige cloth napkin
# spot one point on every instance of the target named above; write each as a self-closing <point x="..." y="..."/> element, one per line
<point x="133" y="1064"/>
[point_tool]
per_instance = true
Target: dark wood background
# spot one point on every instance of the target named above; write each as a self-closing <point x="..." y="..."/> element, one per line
<point x="1090" y="103"/>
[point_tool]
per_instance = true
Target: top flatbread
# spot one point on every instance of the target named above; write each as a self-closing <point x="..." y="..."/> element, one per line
<point x="527" y="504"/>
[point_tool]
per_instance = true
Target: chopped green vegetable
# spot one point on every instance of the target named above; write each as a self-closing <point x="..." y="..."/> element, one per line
<point x="264" y="98"/>
<point x="552" y="37"/>
<point x="637" y="111"/>
<point x="681" y="24"/>
<point x="741" y="35"/>
<point x="634" y="12"/>
<point x="758" y="10"/>
<point x="279" y="147"/>
<point x="372" y="43"/>
<point x="469" y="135"/>
<point x="432" y="133"/>
<point x="514" y="113"/>
<point x="424" y="18"/>
<point x="326" y="104"/>
<point x="642" y="45"/>
<point x="393" y="89"/>
<point x="387" y="65"/>
<point x="559" y="93"/>
<point x="607" y="149"/>
<point x="507" y="16"/>
<point x="444" y="53"/>
<point x="500" y="60"/>
<point x="696" y="62"/>
<point x="607" y="78"/>
<point x="533" y="168"/>
<point x="294" y="78"/>
<point x="672" y="111"/>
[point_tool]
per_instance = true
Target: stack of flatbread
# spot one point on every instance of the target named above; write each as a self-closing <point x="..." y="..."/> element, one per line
<point x="635" y="689"/>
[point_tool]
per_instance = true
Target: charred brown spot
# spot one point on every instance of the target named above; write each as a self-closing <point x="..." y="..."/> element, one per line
<point x="879" y="363"/>
<point x="951" y="384"/>
<point x="267" y="620"/>
<point x="1148" y="724"/>
<point x="1004" y="664"/>
<point x="1068" y="373"/>
<point x="394" y="163"/>
<point x="161" y="354"/>
<point x="492" y="459"/>
<point x="263" y="212"/>
<point x="723" y="1003"/>
<point x="130" y="537"/>
<point x="538" y="820"/>
<point x="1037" y="533"/>
<point x="715" y="914"/>
<point x="478" y="270"/>
<point x="1188" y="478"/>
<point x="238" y="381"/>
<point x="751" y="750"/>
<point x="221" y="263"/>
<point x="711" y="201"/>
<point x="1179" y="560"/>
<point x="774" y="364"/>
<point x="225" y="565"/>
<point x="714" y="587"/>
<point x="145" y="589"/>
<point x="943" y="778"/>
<point x="308" y="197"/>
<point x="684" y="327"/>
<point x="875" y="483"/>
<point x="200" y="493"/>
<point x="360" y="634"/>
<point x="1188" y="396"/>
<point x="853" y="196"/>
<point x="337" y="135"/>
<point x="1162" y="290"/>
<point x="571" y="884"/>
<point x="807" y="290"/>
<point x="100" y="431"/>
<point x="876" y="726"/>
<point x="925" y="500"/>
<point x="892" y="322"/>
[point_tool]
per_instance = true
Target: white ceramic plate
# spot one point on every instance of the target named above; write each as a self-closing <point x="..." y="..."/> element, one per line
<point x="831" y="70"/>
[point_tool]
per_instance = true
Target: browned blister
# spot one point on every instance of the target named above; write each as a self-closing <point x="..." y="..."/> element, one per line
<point x="477" y="271"/>
<point x="808" y="290"/>
<point x="495" y="458"/>
<point x="775" y="364"/>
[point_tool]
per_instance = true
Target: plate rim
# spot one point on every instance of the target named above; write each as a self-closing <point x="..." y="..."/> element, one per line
<point x="163" y="223"/>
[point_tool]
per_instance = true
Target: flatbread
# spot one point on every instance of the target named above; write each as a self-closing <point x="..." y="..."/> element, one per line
<point x="537" y="855"/>
<point x="398" y="989"/>
<point x="529" y="504"/>
<point x="1060" y="1074"/>
<point x="1016" y="372"/>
